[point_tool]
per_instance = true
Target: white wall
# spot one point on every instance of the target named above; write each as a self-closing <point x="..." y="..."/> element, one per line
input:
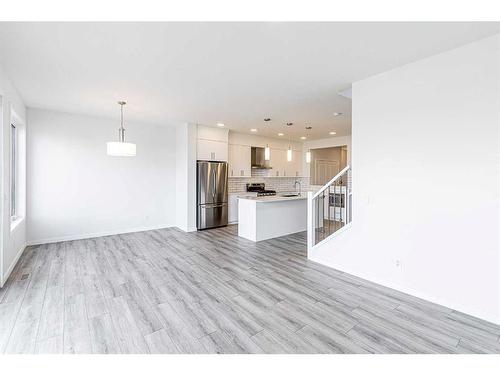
<point x="426" y="181"/>
<point x="75" y="190"/>
<point x="12" y="242"/>
<point x="185" y="160"/>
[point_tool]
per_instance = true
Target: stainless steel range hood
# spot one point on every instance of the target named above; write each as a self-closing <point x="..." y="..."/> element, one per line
<point x="258" y="159"/>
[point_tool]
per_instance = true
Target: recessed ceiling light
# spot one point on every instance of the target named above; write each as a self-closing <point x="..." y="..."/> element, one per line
<point x="337" y="113"/>
<point x="333" y="133"/>
<point x="267" y="119"/>
<point x="303" y="137"/>
<point x="220" y="124"/>
<point x="281" y="134"/>
<point x="253" y="130"/>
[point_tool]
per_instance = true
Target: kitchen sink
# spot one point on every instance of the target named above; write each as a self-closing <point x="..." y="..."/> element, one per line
<point x="290" y="194"/>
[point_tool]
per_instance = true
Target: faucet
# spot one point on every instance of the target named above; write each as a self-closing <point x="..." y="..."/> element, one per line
<point x="295" y="186"/>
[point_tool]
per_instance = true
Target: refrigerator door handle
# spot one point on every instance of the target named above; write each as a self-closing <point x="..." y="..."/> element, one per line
<point x="212" y="206"/>
<point x="215" y="186"/>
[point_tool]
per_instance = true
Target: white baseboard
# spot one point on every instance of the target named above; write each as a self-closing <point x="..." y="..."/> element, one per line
<point x="187" y="230"/>
<point x="12" y="265"/>
<point x="94" y="235"/>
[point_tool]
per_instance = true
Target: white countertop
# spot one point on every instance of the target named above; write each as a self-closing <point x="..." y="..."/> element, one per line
<point x="273" y="198"/>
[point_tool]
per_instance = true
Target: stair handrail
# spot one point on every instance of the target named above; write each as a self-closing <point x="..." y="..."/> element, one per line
<point x="329" y="183"/>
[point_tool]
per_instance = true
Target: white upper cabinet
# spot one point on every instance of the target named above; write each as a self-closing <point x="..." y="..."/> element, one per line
<point x="296" y="164"/>
<point x="240" y="161"/>
<point x="211" y="150"/>
<point x="212" y="144"/>
<point x="213" y="134"/>
<point x="277" y="162"/>
<point x="283" y="168"/>
<point x="240" y="156"/>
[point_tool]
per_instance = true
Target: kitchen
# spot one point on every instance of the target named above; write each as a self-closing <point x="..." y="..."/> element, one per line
<point x="266" y="179"/>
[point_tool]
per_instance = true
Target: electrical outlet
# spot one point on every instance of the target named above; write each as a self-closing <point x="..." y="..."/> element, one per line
<point x="399" y="264"/>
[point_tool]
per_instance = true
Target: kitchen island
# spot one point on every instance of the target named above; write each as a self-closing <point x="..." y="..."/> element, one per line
<point x="262" y="218"/>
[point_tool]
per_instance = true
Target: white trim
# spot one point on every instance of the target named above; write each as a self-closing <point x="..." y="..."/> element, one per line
<point x="189" y="229"/>
<point x="93" y="235"/>
<point x="5" y="277"/>
<point x="15" y="223"/>
<point x="310" y="222"/>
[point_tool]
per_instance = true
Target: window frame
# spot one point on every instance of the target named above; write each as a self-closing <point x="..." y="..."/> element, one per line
<point x="14" y="149"/>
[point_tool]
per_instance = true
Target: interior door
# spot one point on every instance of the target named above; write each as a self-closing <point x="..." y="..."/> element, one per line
<point x="324" y="170"/>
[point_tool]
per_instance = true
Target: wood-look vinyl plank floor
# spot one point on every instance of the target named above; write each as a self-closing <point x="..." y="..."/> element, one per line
<point x="166" y="291"/>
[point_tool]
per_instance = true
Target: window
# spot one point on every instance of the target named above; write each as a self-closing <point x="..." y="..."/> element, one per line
<point x="13" y="172"/>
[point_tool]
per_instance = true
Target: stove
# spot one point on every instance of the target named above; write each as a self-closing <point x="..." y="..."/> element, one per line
<point x="260" y="189"/>
<point x="266" y="192"/>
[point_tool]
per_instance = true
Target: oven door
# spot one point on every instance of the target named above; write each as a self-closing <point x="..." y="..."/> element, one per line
<point x="337" y="200"/>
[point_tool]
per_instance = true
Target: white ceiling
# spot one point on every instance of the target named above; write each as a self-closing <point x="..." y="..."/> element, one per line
<point x="235" y="73"/>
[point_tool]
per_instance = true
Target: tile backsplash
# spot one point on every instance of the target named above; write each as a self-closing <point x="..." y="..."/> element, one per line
<point x="238" y="184"/>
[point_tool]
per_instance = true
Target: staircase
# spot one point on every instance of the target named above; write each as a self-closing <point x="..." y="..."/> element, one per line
<point x="329" y="210"/>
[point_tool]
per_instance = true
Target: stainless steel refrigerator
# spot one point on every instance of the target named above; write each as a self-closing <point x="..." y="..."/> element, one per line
<point x="211" y="194"/>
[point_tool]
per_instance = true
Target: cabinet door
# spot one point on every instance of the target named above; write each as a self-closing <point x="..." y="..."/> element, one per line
<point x="233" y="160"/>
<point x="212" y="134"/>
<point x="293" y="168"/>
<point x="233" y="209"/>
<point x="245" y="165"/>
<point x="278" y="162"/>
<point x="289" y="167"/>
<point x="240" y="161"/>
<point x="297" y="163"/>
<point x="211" y="150"/>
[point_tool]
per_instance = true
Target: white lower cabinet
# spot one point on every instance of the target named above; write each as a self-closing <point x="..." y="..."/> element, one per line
<point x="233" y="208"/>
<point x="233" y="205"/>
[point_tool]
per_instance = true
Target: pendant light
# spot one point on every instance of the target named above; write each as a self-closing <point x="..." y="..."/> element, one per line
<point x="308" y="153"/>
<point x="289" y="151"/>
<point x="121" y="148"/>
<point x="267" y="150"/>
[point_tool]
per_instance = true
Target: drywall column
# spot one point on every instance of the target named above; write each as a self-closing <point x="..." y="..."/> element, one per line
<point x="426" y="181"/>
<point x="186" y="177"/>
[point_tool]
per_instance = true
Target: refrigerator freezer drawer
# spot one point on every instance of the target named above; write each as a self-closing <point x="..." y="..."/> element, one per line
<point x="212" y="216"/>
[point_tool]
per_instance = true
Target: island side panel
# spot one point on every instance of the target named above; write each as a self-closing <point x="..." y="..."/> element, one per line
<point x="247" y="219"/>
<point x="279" y="218"/>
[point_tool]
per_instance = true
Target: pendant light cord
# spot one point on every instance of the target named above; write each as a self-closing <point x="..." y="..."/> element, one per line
<point x="121" y="110"/>
<point x="121" y="131"/>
